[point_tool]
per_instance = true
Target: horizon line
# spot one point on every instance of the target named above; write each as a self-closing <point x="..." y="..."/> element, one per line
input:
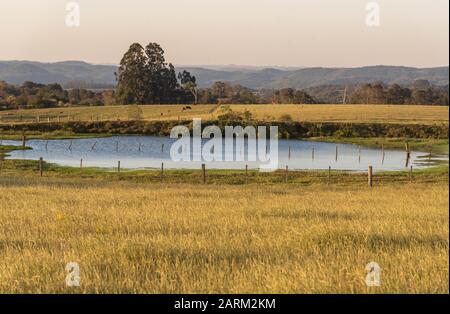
<point x="298" y="67"/>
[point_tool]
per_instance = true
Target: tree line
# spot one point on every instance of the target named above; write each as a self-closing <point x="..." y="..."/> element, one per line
<point x="420" y="93"/>
<point x="33" y="95"/>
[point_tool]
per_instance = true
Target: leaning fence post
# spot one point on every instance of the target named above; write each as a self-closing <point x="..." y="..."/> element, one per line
<point x="204" y="173"/>
<point x="41" y="161"/>
<point x="408" y="154"/>
<point x="369" y="175"/>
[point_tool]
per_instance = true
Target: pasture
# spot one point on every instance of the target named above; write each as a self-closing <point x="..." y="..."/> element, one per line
<point x="221" y="238"/>
<point x="409" y="114"/>
<point x="405" y="114"/>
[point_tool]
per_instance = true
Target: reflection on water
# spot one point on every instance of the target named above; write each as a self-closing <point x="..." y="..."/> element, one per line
<point x="137" y="152"/>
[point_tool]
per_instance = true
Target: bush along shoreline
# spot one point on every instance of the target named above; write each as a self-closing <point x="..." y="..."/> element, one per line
<point x="287" y="130"/>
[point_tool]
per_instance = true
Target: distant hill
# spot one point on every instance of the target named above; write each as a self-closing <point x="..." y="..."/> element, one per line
<point x="17" y="72"/>
<point x="311" y="77"/>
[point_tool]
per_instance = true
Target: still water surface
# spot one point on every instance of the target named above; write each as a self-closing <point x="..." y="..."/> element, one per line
<point x="141" y="152"/>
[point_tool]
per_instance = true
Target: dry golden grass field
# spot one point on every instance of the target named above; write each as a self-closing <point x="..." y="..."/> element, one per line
<point x="191" y="238"/>
<point x="349" y="113"/>
<point x="313" y="113"/>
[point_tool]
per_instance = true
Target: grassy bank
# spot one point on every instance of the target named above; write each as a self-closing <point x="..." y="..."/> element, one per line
<point x="30" y="168"/>
<point x="289" y="130"/>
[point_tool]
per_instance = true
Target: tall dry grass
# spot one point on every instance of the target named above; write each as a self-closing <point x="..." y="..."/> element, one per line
<point x="181" y="238"/>
<point x="349" y="113"/>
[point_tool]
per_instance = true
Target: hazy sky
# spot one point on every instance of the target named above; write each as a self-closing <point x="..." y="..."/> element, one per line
<point x="250" y="32"/>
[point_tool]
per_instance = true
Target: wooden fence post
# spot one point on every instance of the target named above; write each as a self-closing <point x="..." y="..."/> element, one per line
<point x="382" y="159"/>
<point x="411" y="173"/>
<point x="24" y="140"/>
<point x="313" y="154"/>
<point x="41" y="168"/>
<point x="204" y="173"/>
<point x="162" y="172"/>
<point x="359" y="154"/>
<point x="329" y="174"/>
<point x="408" y="154"/>
<point x="286" y="178"/>
<point x="289" y="153"/>
<point x="118" y="166"/>
<point x="336" y="153"/>
<point x="369" y="175"/>
<point x="246" y="173"/>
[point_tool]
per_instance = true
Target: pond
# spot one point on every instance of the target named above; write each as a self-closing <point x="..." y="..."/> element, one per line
<point x="142" y="152"/>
